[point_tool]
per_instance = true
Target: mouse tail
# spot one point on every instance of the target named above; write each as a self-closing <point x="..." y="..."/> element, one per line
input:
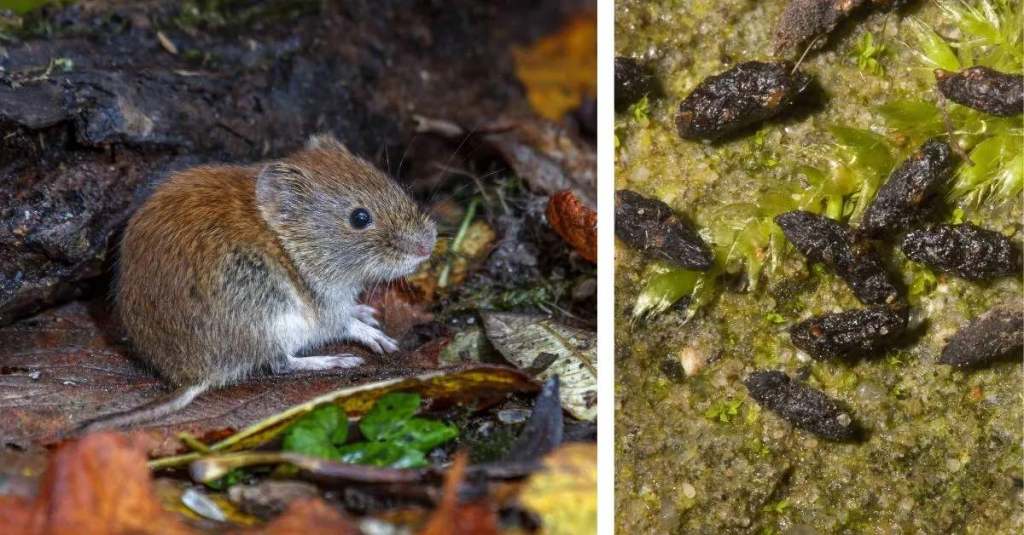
<point x="173" y="402"/>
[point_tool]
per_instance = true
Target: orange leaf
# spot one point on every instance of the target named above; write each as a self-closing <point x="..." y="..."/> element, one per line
<point x="97" y="485"/>
<point x="454" y="518"/>
<point x="574" y="222"/>
<point x="559" y="70"/>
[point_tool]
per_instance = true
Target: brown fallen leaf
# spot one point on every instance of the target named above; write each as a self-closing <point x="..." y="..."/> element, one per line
<point x="96" y="485"/>
<point x="565" y="494"/>
<point x="547" y="155"/>
<point x="575" y="223"/>
<point x="399" y="309"/>
<point x="560" y="70"/>
<point x="454" y="518"/>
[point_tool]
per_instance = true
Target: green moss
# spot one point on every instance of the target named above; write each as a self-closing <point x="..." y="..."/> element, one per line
<point x="927" y="432"/>
<point x="867" y="54"/>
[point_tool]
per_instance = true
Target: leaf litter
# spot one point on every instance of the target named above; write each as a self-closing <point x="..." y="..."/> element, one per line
<point x="71" y="362"/>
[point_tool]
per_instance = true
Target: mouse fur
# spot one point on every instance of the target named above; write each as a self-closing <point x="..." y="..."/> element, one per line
<point x="226" y="271"/>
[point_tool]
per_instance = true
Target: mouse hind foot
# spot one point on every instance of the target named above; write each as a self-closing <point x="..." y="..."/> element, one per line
<point x="322" y="362"/>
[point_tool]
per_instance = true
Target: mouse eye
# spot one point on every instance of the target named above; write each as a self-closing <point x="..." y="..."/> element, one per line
<point x="360" y="218"/>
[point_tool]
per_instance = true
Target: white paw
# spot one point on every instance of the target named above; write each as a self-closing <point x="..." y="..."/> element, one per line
<point x="372" y="337"/>
<point x="324" y="362"/>
<point x="366" y="314"/>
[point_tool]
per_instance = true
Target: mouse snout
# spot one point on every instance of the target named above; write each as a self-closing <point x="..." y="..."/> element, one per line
<point x="421" y="245"/>
<point x="423" y="249"/>
<point x="424" y="246"/>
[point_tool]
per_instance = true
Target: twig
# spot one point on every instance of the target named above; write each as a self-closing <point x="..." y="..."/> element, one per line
<point x="442" y="279"/>
<point x="193" y="443"/>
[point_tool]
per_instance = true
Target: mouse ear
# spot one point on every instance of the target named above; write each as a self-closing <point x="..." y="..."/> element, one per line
<point x="325" y="140"/>
<point x="281" y="189"/>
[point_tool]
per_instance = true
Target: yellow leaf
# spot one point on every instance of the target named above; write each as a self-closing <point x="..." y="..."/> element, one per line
<point x="559" y="70"/>
<point x="564" y="494"/>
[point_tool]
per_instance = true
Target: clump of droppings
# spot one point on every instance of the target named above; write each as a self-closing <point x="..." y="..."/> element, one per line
<point x="804" y="407"/>
<point x="907" y="197"/>
<point x="993" y="335"/>
<point x="984" y="89"/>
<point x="966" y="250"/>
<point x="804" y="20"/>
<point x="653" y="228"/>
<point x="825" y="240"/>
<point x="633" y="81"/>
<point x="746" y="94"/>
<point x="850" y="334"/>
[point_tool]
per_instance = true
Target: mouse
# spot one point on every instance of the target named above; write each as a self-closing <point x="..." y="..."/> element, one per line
<point x="229" y="271"/>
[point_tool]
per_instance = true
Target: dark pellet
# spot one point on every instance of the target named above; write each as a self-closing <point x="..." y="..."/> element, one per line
<point x="739" y="97"/>
<point x="804" y="407"/>
<point x="966" y="250"/>
<point x="824" y="240"/>
<point x="651" y="227"/>
<point x="804" y="20"/>
<point x="909" y="193"/>
<point x="993" y="335"/>
<point x="851" y="334"/>
<point x="633" y="80"/>
<point x="984" y="89"/>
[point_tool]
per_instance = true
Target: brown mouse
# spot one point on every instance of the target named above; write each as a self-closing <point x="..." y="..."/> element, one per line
<point x="228" y="270"/>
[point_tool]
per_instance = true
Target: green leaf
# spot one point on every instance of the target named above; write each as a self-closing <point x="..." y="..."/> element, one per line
<point x="340" y="435"/>
<point x="308" y="438"/>
<point x="382" y="454"/>
<point x="328" y="417"/>
<point x="421" y="434"/>
<point x="389" y="411"/>
<point x="935" y="51"/>
<point x="316" y="433"/>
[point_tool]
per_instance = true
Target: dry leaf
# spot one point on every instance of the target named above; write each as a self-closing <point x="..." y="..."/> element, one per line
<point x="575" y="223"/>
<point x="550" y="157"/>
<point x="564" y="495"/>
<point x="399" y="310"/>
<point x="544" y="348"/>
<point x="559" y="70"/>
<point x="96" y="485"/>
<point x="454" y="518"/>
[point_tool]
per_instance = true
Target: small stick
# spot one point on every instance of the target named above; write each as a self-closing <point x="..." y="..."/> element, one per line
<point x="442" y="279"/>
<point x="193" y="443"/>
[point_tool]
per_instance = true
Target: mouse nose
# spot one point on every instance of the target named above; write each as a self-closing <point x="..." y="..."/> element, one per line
<point x="424" y="249"/>
<point x="425" y="245"/>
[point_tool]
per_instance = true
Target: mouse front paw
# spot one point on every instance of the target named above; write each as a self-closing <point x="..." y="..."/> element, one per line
<point x="373" y="338"/>
<point x="366" y="314"/>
